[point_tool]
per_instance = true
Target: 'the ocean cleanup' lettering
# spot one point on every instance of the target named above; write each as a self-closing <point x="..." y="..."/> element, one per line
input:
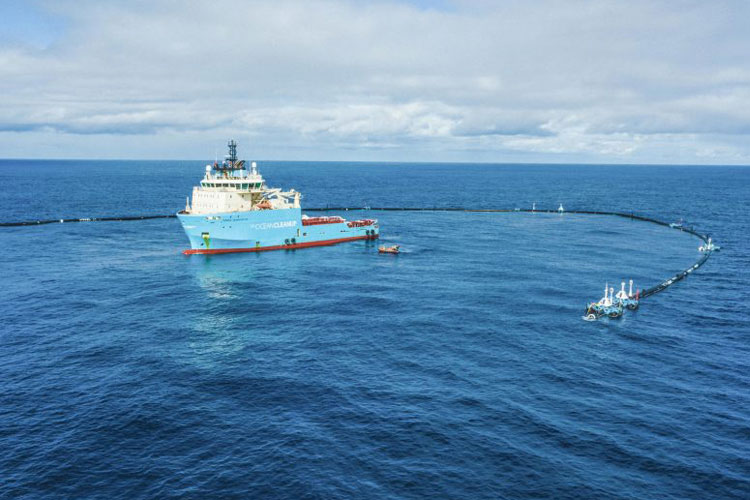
<point x="274" y="225"/>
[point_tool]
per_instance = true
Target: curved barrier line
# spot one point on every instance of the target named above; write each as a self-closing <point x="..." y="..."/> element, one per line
<point x="646" y="293"/>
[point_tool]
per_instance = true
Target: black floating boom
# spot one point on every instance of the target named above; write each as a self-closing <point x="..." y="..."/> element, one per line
<point x="87" y="219"/>
<point x="646" y="293"/>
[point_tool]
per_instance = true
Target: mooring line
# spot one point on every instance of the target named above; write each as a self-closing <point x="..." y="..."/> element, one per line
<point x="646" y="293"/>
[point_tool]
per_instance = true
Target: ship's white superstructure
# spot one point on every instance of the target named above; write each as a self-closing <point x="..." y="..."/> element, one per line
<point x="229" y="187"/>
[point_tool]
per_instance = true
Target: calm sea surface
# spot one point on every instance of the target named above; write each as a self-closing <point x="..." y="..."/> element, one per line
<point x="458" y="369"/>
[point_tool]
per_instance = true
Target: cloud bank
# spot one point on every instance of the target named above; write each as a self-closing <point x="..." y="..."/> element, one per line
<point x="604" y="81"/>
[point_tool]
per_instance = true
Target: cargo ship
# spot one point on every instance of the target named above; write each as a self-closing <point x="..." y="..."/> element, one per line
<point x="232" y="210"/>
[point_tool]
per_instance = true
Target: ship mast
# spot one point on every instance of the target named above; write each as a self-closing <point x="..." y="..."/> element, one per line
<point x="232" y="156"/>
<point x="231" y="163"/>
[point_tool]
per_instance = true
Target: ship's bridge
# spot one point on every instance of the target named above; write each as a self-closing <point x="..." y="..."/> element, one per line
<point x="239" y="180"/>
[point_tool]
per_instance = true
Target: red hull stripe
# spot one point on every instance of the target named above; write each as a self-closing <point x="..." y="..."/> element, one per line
<point x="278" y="247"/>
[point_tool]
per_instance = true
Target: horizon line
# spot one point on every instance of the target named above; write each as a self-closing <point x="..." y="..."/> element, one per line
<point x="585" y="163"/>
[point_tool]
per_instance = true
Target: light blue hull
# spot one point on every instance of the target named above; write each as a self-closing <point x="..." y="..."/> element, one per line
<point x="260" y="230"/>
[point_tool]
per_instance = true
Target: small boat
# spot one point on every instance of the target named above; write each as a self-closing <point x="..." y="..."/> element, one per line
<point x="681" y="224"/>
<point x="391" y="249"/>
<point x="709" y="247"/>
<point x="605" y="307"/>
<point x="627" y="299"/>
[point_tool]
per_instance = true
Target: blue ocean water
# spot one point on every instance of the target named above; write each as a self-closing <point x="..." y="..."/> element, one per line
<point x="458" y="369"/>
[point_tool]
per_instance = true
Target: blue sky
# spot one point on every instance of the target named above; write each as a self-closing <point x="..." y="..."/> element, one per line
<point x="491" y="81"/>
<point x="24" y="23"/>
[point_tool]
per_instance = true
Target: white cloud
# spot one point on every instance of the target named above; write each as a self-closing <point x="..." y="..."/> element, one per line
<point x="602" y="81"/>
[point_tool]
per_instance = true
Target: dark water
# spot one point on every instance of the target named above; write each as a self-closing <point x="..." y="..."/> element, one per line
<point x="459" y="369"/>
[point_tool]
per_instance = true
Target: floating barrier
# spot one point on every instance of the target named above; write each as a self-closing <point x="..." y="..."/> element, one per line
<point x="645" y="293"/>
<point x="85" y="219"/>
